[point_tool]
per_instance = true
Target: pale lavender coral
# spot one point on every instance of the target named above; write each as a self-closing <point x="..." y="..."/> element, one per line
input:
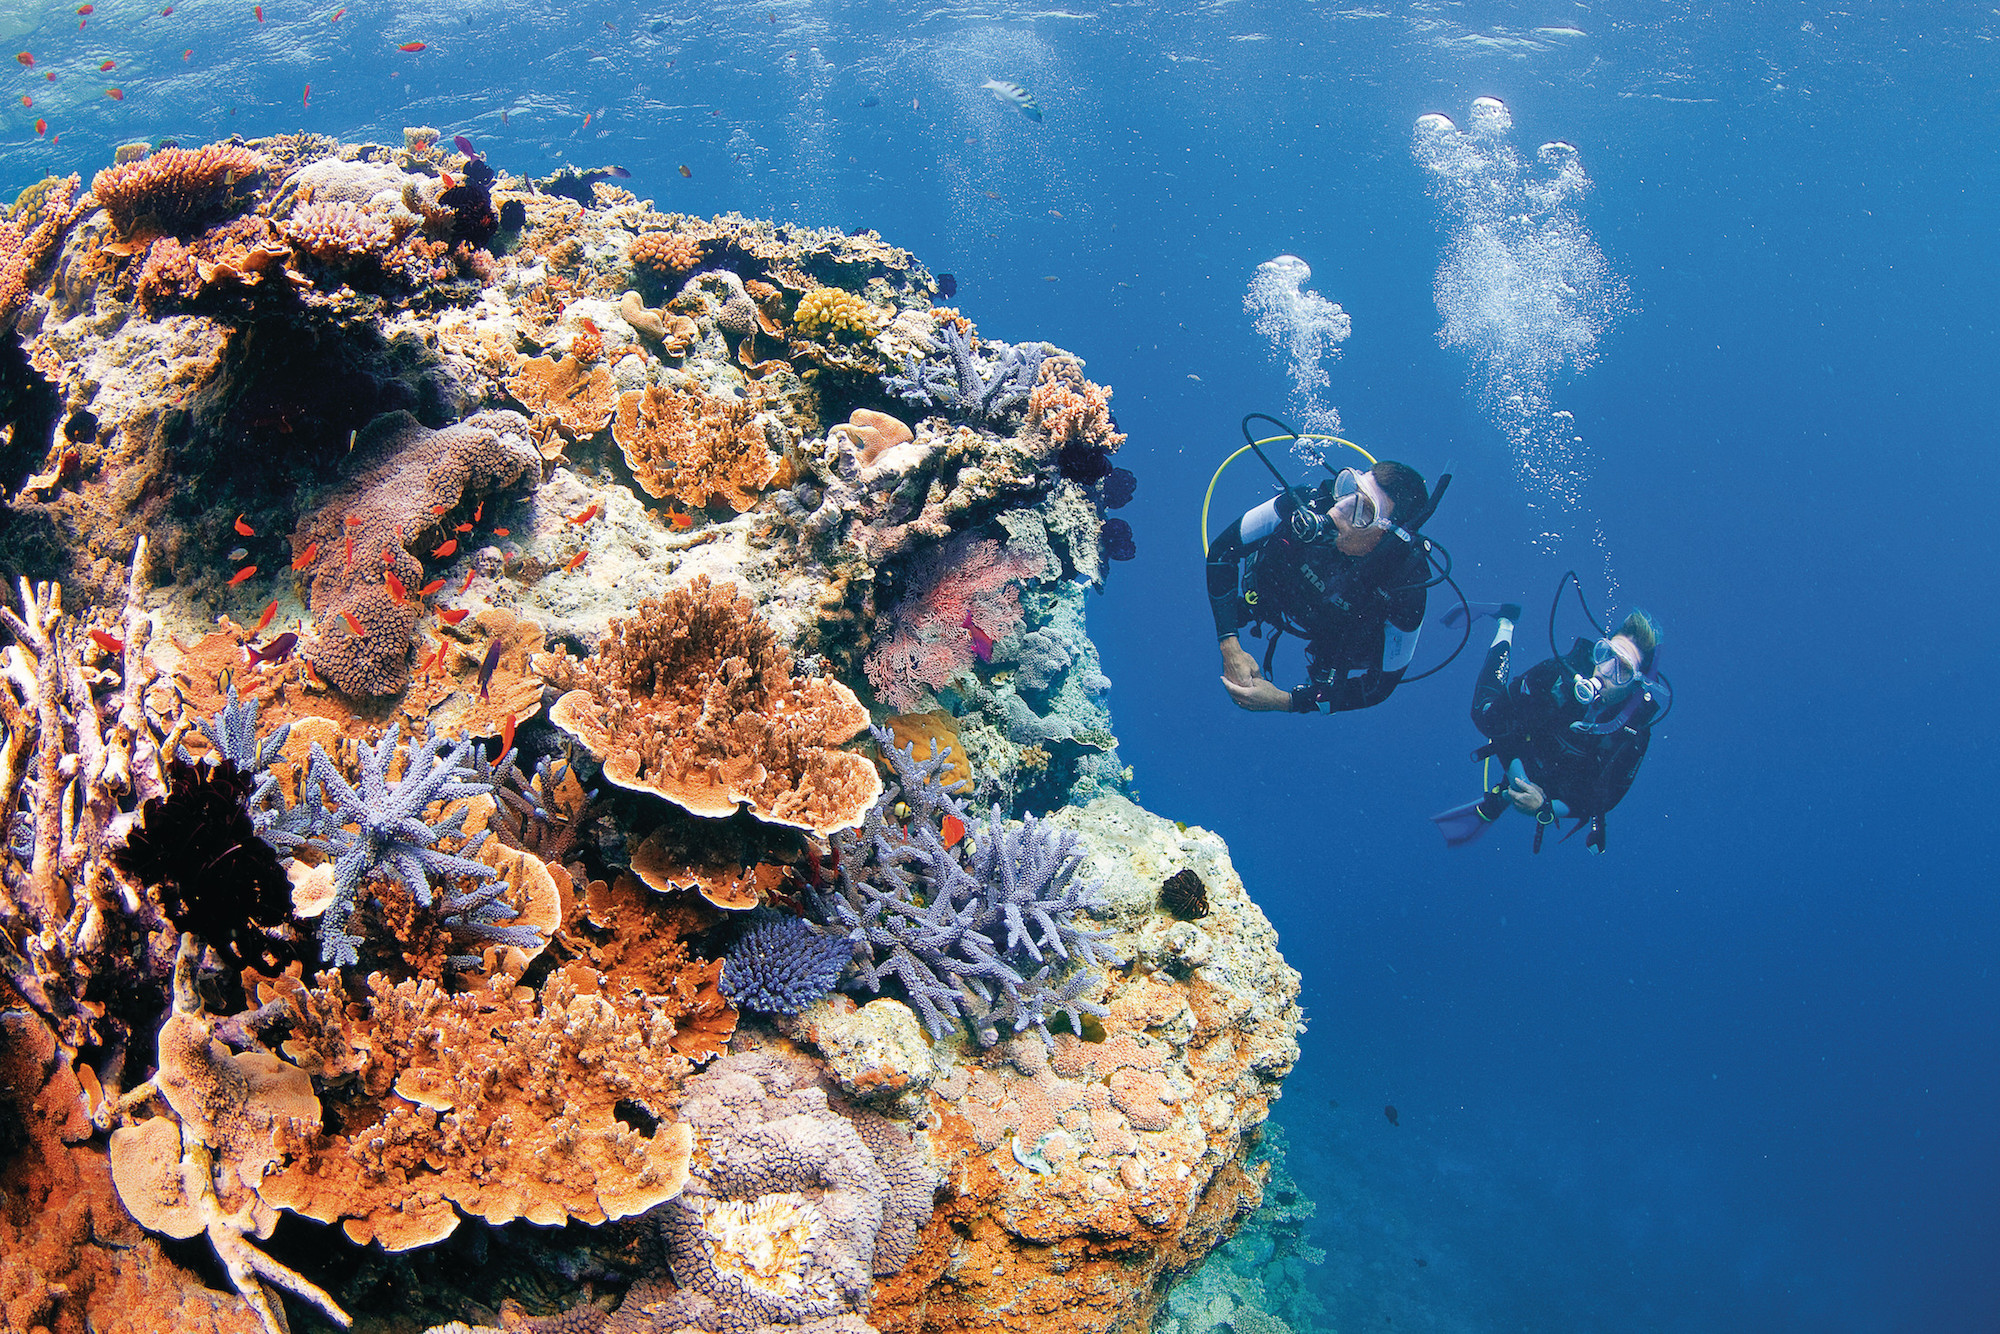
<point x="978" y="380"/>
<point x="994" y="935"/>
<point x="771" y="1130"/>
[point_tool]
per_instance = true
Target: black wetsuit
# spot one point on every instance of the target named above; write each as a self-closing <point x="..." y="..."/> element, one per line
<point x="1528" y="719"/>
<point x="1360" y="638"/>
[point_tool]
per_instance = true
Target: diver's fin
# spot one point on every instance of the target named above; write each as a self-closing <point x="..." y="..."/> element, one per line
<point x="1510" y="611"/>
<point x="1462" y="824"/>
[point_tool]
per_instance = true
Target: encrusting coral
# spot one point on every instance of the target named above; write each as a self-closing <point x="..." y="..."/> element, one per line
<point x="695" y="447"/>
<point x="694" y="699"/>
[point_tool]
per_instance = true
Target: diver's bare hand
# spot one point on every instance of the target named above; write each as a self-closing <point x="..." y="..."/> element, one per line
<point x="1237" y="664"/>
<point x="1259" y="696"/>
<point x="1527" y="798"/>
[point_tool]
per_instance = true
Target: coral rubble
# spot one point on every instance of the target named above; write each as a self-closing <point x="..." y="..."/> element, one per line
<point x="442" y="885"/>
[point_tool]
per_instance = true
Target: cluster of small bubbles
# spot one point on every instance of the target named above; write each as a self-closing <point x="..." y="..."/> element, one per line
<point x="1522" y="287"/>
<point x="1306" y="329"/>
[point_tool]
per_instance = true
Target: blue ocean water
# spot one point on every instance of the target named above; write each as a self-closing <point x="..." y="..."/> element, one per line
<point x="1741" y="1072"/>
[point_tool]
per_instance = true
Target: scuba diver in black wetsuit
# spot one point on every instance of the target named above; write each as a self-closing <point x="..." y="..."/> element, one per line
<point x="1570" y="732"/>
<point x="1342" y="568"/>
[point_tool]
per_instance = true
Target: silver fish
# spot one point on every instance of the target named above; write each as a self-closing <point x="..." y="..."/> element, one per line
<point x="1008" y="91"/>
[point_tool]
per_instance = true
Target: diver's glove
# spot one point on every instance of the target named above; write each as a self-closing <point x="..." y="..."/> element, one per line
<point x="1595" y="842"/>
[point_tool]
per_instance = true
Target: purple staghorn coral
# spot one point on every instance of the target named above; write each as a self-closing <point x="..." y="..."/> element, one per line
<point x="991" y="932"/>
<point x="967" y="386"/>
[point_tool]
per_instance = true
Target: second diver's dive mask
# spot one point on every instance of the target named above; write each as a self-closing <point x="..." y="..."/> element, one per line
<point x="1612" y="673"/>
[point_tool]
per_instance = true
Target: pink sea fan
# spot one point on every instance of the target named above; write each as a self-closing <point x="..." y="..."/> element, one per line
<point x="959" y="596"/>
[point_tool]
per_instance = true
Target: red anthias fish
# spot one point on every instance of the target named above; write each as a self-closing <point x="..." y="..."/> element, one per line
<point x="982" y="643"/>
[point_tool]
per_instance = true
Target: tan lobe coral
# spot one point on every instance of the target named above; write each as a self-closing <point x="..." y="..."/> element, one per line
<point x="694" y="699"/>
<point x="872" y="433"/>
<point x="695" y="447"/>
<point x="726" y="884"/>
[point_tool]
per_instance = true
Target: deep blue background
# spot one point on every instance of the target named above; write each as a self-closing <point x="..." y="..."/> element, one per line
<point x="1739" y="1074"/>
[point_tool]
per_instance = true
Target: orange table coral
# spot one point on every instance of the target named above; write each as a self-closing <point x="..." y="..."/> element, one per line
<point x="694" y="446"/>
<point x="695" y="700"/>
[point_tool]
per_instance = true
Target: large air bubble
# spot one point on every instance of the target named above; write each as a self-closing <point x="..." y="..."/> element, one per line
<point x="1307" y="330"/>
<point x="1522" y="288"/>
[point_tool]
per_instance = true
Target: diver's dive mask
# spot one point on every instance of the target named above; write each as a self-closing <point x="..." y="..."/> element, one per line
<point x="1313" y="521"/>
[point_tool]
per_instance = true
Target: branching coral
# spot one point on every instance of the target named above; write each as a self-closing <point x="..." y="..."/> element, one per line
<point x="994" y="934"/>
<point x="197" y="1171"/>
<point x="176" y="188"/>
<point x="781" y="964"/>
<point x="1070" y="409"/>
<point x="73" y="941"/>
<point x="960" y="598"/>
<point x="665" y="254"/>
<point x="978" y="380"/>
<point x="694" y="447"/>
<point x="405" y="477"/>
<point x="28" y="236"/>
<point x="695" y="700"/>
<point x="389" y="834"/>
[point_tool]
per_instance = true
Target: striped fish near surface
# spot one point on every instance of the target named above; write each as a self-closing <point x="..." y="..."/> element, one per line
<point x="1009" y="91"/>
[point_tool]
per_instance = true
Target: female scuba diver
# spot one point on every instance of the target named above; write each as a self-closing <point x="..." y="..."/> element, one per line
<point x="1570" y="732"/>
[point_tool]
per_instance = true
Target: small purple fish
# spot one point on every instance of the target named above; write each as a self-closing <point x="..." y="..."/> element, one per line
<point x="278" y="650"/>
<point x="982" y="643"/>
<point x="464" y="145"/>
<point x="486" y="667"/>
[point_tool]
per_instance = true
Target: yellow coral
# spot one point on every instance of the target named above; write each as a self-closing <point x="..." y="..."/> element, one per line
<point x="829" y="310"/>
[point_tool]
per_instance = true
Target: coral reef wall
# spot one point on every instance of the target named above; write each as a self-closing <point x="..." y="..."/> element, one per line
<point x="555" y="777"/>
